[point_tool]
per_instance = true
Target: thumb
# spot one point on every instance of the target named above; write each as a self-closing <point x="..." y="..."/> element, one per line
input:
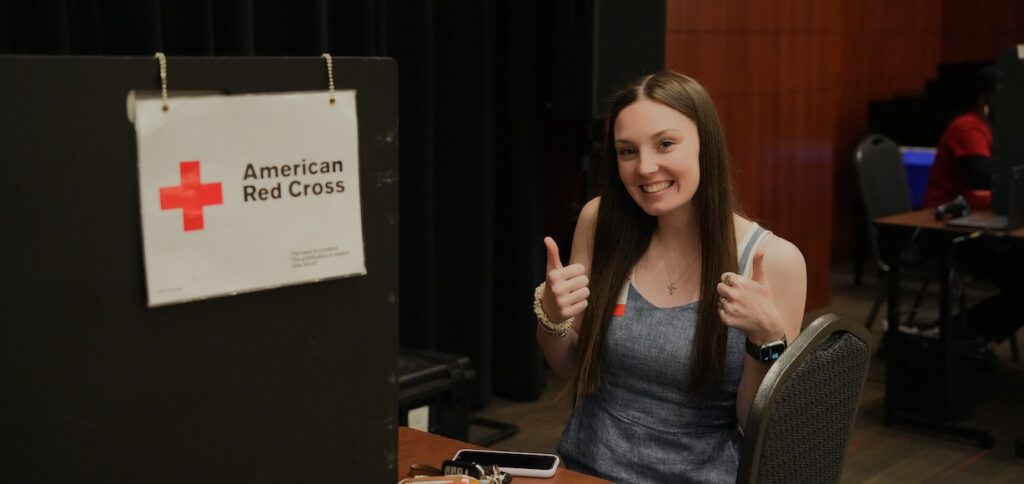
<point x="758" y="275"/>
<point x="554" y="262"/>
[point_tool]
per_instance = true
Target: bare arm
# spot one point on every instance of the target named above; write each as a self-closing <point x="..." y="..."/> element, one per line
<point x="767" y="305"/>
<point x="560" y="297"/>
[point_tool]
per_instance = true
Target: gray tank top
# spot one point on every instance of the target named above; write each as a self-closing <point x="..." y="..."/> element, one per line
<point x="641" y="426"/>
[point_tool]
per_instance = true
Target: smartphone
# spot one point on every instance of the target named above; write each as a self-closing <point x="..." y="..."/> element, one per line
<point x="526" y="464"/>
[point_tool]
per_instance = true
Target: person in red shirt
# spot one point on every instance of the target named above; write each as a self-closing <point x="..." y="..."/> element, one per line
<point x="963" y="166"/>
<point x="963" y="158"/>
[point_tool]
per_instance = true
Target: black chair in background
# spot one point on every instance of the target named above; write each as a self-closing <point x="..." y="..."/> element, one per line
<point x="884" y="192"/>
<point x="800" y="420"/>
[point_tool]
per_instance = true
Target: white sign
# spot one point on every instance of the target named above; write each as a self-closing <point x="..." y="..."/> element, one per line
<point x="248" y="192"/>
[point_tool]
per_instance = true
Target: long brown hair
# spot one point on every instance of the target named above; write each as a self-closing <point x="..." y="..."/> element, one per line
<point x="624" y="232"/>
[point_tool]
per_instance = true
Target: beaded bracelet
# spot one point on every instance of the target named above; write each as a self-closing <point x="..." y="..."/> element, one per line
<point x="550" y="327"/>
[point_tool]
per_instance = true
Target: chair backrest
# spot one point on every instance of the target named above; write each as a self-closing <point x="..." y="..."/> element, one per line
<point x="799" y="423"/>
<point x="883" y="182"/>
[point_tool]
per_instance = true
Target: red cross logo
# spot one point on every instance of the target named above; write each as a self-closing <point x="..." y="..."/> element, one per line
<point x="191" y="196"/>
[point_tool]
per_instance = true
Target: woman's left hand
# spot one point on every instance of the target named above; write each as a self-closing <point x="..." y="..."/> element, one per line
<point x="748" y="305"/>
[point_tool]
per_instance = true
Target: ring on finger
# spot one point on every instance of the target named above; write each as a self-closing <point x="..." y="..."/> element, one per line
<point x="721" y="302"/>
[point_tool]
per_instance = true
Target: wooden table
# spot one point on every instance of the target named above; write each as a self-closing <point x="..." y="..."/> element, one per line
<point x="926" y="220"/>
<point x="895" y="232"/>
<point x="416" y="447"/>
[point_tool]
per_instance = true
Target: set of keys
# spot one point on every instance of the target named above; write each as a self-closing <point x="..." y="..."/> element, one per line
<point x="454" y="472"/>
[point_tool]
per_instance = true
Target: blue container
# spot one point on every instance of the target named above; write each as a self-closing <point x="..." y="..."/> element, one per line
<point x="917" y="161"/>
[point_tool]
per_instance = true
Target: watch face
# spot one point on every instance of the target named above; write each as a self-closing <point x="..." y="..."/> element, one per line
<point x="767" y="353"/>
<point x="772" y="352"/>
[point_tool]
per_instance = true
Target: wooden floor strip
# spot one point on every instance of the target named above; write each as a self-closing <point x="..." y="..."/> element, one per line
<point x="974" y="459"/>
<point x="860" y="441"/>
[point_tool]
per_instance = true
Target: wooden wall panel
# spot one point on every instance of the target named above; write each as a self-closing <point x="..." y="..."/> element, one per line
<point x="893" y="48"/>
<point x="792" y="79"/>
<point x="975" y="30"/>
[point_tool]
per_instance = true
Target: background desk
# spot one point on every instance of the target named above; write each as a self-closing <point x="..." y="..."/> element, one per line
<point x="926" y="221"/>
<point x="894" y="234"/>
<point x="415" y="447"/>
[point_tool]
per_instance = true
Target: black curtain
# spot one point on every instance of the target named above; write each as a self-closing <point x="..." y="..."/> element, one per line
<point x="471" y="89"/>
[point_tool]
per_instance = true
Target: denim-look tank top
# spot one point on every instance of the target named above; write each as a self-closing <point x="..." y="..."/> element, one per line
<point x="641" y="426"/>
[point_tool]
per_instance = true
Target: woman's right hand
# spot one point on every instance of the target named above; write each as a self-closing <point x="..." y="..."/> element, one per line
<point x="566" y="293"/>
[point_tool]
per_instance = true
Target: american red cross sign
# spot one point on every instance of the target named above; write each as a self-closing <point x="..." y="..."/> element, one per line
<point x="191" y="196"/>
<point x="261" y="188"/>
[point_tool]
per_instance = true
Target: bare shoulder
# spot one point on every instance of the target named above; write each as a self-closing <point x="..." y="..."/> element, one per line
<point x="589" y="212"/>
<point x="786" y="270"/>
<point x="583" y="238"/>
<point x="781" y="256"/>
<point x="741" y="225"/>
<point x="588" y="219"/>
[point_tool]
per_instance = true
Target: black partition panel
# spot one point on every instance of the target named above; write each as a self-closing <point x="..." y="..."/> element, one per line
<point x="293" y="384"/>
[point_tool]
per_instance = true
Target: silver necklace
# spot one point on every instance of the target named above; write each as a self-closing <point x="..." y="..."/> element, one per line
<point x="672" y="283"/>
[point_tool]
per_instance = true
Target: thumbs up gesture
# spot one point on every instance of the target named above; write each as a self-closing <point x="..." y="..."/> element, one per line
<point x="566" y="291"/>
<point x="748" y="305"/>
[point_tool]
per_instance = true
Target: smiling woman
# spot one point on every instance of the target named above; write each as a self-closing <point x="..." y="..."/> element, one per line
<point x="666" y="290"/>
<point x="660" y="171"/>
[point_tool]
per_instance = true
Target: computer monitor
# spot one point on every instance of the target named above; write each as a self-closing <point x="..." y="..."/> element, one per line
<point x="1007" y="104"/>
<point x="917" y="162"/>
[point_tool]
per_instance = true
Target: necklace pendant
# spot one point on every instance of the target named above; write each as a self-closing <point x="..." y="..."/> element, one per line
<point x="671" y="288"/>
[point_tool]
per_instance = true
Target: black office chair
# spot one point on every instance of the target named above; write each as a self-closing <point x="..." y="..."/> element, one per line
<point x="799" y="424"/>
<point x="883" y="188"/>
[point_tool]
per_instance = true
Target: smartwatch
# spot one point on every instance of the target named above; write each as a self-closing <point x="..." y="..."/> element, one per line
<point x="768" y="352"/>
